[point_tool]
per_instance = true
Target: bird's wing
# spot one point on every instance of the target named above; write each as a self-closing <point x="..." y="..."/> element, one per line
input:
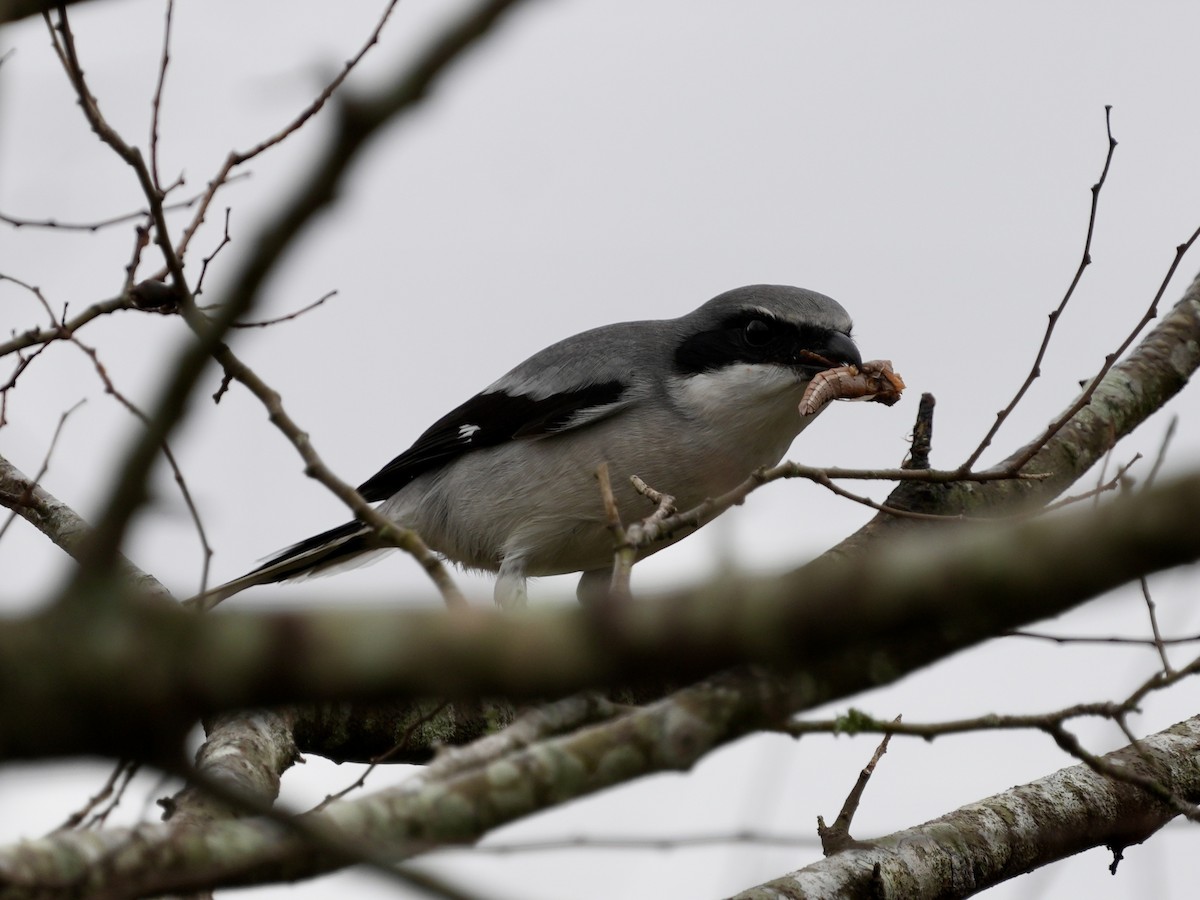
<point x="500" y="414"/>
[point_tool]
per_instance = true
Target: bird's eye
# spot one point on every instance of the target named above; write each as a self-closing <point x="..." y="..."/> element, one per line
<point x="757" y="333"/>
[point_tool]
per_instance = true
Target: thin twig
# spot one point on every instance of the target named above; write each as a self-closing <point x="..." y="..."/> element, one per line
<point x="236" y="159"/>
<point x="23" y="363"/>
<point x="360" y="121"/>
<point x="204" y="263"/>
<point x="156" y="104"/>
<point x="591" y="842"/>
<point x="123" y="772"/>
<point x="140" y="242"/>
<point x="829" y="485"/>
<point x="111" y="389"/>
<point x="1019" y="460"/>
<point x="923" y="476"/>
<point x="44" y="335"/>
<point x="25" y="498"/>
<point x="1102" y="487"/>
<point x="1085" y="260"/>
<point x="266" y="323"/>
<point x="836" y="837"/>
<point x="121" y="219"/>
<point x="361" y="781"/>
<point x="1095" y="492"/>
<point x="1142" y="582"/>
<point x="1160" y="680"/>
<point x="1159" y="644"/>
<point x="712" y="507"/>
<point x="1052" y="724"/>
<point x="64" y="40"/>
<point x="1096" y="639"/>
<point x="857" y="722"/>
<point x="1161" y="457"/>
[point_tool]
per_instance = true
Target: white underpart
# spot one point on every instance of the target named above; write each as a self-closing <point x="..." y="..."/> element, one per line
<point x="741" y="386"/>
<point x="751" y="406"/>
<point x="743" y="395"/>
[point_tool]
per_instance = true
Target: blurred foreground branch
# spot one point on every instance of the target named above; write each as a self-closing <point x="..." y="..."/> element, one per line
<point x="129" y="679"/>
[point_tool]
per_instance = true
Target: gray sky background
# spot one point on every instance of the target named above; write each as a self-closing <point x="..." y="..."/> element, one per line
<point x="927" y="164"/>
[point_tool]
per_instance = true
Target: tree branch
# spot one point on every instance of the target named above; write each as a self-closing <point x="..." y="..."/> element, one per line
<point x="1006" y="835"/>
<point x="1129" y="393"/>
<point x="63" y="525"/>
<point x="103" y="677"/>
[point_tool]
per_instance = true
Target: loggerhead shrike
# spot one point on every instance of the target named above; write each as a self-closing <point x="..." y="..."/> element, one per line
<point x="506" y="482"/>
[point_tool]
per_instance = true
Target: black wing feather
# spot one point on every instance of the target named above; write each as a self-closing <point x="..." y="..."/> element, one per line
<point x="487" y="420"/>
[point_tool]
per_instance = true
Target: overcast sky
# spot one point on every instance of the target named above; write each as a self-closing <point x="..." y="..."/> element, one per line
<point x="927" y="164"/>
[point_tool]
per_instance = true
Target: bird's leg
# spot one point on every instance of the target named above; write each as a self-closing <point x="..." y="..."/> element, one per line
<point x="510" y="584"/>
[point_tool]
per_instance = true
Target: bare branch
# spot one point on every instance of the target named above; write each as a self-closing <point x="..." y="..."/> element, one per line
<point x="1009" y="834"/>
<point x="857" y="722"/>
<point x="838" y="629"/>
<point x="1089" y="639"/>
<point x="1135" y="388"/>
<point x="1103" y="487"/>
<point x="1120" y="772"/>
<point x="91" y="813"/>
<point x="156" y="103"/>
<point x="206" y="551"/>
<point x="359" y="122"/>
<point x="400" y="745"/>
<point x="1020" y="460"/>
<point x="121" y="219"/>
<point x="1161" y="456"/>
<point x="61" y="524"/>
<point x="204" y="263"/>
<point x="656" y="843"/>
<point x="225" y="175"/>
<point x="1159" y="644"/>
<point x="836" y="837"/>
<point x="267" y="323"/>
<point x="65" y="43"/>
<point x="25" y="498"/>
<point x="43" y="335"/>
<point x="1085" y="260"/>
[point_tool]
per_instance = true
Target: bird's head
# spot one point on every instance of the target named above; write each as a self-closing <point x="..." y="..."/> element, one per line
<point x="773" y="336"/>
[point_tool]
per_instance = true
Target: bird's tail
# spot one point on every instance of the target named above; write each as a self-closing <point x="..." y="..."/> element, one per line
<point x="316" y="554"/>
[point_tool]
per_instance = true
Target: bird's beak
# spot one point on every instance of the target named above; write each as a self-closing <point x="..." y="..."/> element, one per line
<point x="837" y="350"/>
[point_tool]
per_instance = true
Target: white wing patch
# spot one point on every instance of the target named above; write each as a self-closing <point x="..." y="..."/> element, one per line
<point x="465" y="432"/>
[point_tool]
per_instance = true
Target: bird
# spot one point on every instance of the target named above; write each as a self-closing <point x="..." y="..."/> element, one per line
<point x="506" y="482"/>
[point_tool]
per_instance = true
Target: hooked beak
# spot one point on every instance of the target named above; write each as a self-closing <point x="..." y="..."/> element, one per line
<point x="837" y="350"/>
